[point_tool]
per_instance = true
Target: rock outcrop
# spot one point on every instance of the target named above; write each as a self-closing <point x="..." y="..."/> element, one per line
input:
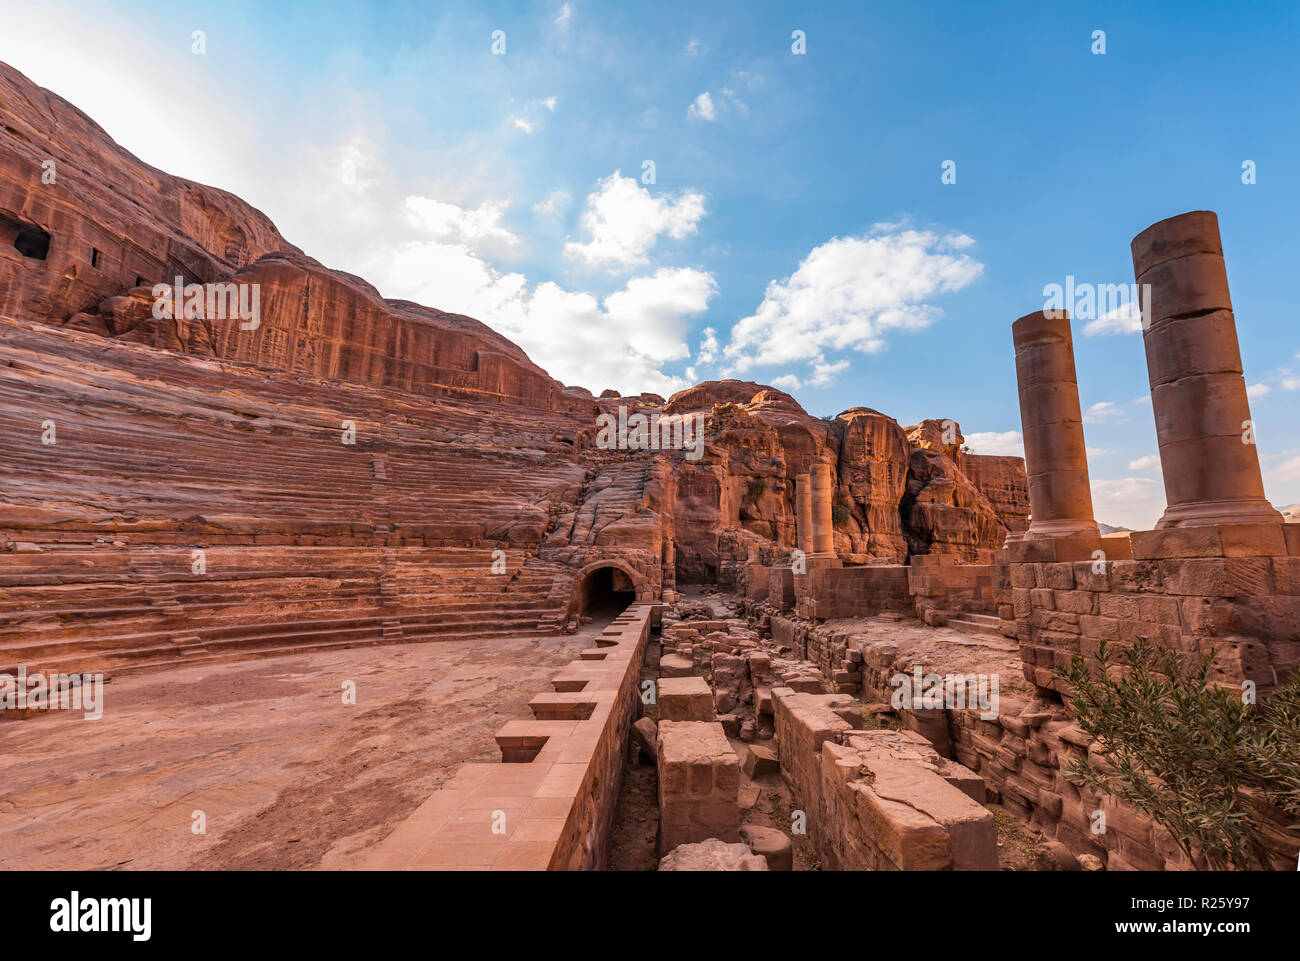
<point x="111" y="227"/>
<point x="338" y="468"/>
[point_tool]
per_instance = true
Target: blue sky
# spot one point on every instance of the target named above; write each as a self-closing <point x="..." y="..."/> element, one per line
<point x="797" y="231"/>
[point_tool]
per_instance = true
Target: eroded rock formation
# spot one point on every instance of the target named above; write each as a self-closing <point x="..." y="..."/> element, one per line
<point x="344" y="468"/>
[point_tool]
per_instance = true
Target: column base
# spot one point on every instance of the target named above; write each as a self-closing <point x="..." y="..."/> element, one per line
<point x="824" y="559"/>
<point x="1251" y="510"/>
<point x="1064" y="528"/>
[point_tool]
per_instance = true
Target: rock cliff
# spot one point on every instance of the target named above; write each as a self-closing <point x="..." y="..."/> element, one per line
<point x="347" y="469"/>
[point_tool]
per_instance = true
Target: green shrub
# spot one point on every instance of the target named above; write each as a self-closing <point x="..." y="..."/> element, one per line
<point x="1194" y="757"/>
<point x="757" y="488"/>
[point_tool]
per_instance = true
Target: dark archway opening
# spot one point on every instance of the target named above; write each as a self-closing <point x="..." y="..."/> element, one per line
<point x="607" y="592"/>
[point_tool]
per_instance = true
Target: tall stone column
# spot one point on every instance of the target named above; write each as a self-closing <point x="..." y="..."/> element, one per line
<point x="823" y="525"/>
<point x="1060" y="499"/>
<point x="803" y="513"/>
<point x="1207" y="450"/>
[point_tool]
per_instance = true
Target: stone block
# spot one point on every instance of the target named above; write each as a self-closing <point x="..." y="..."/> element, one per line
<point x="773" y="845"/>
<point x="675" y="665"/>
<point x="685" y="699"/>
<point x="760" y="760"/>
<point x="699" y="780"/>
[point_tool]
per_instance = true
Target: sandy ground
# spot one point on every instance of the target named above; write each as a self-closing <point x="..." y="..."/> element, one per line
<point x="285" y="774"/>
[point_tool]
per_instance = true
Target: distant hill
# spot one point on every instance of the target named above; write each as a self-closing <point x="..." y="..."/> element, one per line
<point x="1109" y="529"/>
<point x="1291" y="512"/>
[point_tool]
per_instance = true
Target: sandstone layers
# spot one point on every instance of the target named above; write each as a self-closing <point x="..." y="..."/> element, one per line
<point x="352" y="469"/>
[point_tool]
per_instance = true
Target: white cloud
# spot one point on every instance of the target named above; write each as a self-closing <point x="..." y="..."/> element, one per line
<point x="1125" y="319"/>
<point x="730" y="97"/>
<point x="1290" y="383"/>
<point x="1133" y="502"/>
<point x="693" y="48"/>
<point x="549" y="103"/>
<point x="573" y="336"/>
<point x="708" y="351"/>
<point x="445" y="221"/>
<point x="1145" y="463"/>
<point x="553" y="204"/>
<point x="702" y="108"/>
<point x="625" y="220"/>
<point x="1288" y="470"/>
<point x="1257" y="390"/>
<point x="1102" y="410"/>
<point x="1004" y="443"/>
<point x="824" y="373"/>
<point x="426" y="251"/>
<point x="651" y="311"/>
<point x="564" y="16"/>
<point x="522" y="124"/>
<point x="786" y="382"/>
<point x="707" y="107"/>
<point x="851" y="293"/>
<point x="1097" y="451"/>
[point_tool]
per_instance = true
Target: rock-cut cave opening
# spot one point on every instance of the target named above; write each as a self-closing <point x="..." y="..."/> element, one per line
<point x="607" y="592"/>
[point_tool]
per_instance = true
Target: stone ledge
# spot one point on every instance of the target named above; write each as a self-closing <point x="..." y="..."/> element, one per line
<point x="551" y="810"/>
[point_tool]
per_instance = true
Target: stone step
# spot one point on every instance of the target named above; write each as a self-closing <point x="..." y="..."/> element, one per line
<point x="976" y="624"/>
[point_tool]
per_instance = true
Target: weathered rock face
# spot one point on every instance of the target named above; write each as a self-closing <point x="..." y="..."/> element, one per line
<point x="224" y="488"/>
<point x="945" y="513"/>
<point x="109" y="227"/>
<point x="109" y="219"/>
<point x="325" y="323"/>
<point x="944" y="436"/>
<point x="1001" y="479"/>
<point x="899" y="491"/>
<point x="873" y="459"/>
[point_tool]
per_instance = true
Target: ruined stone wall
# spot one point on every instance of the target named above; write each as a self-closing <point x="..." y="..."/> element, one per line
<point x="1235" y="588"/>
<point x="559" y="781"/>
<point x="878" y="800"/>
<point x="854" y="591"/>
<point x="1021" y="751"/>
<point x="941" y="589"/>
<point x="780" y="589"/>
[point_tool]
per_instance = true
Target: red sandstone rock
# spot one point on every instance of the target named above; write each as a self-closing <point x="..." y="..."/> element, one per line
<point x="946" y="513"/>
<point x="712" y="855"/>
<point x="179" y="433"/>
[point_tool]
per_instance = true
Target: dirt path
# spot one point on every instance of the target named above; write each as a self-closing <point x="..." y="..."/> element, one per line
<point x="284" y="773"/>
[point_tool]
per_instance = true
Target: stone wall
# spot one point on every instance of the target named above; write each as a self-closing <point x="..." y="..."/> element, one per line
<point x="941" y="589"/>
<point x="1022" y="751"/>
<point x="878" y="800"/>
<point x="554" y="797"/>
<point x="1235" y="588"/>
<point x="853" y="591"/>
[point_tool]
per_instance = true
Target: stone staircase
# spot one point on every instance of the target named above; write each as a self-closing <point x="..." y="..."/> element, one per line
<point x="310" y="543"/>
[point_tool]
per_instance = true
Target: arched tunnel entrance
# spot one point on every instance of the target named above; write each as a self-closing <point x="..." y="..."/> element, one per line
<point x="605" y="592"/>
